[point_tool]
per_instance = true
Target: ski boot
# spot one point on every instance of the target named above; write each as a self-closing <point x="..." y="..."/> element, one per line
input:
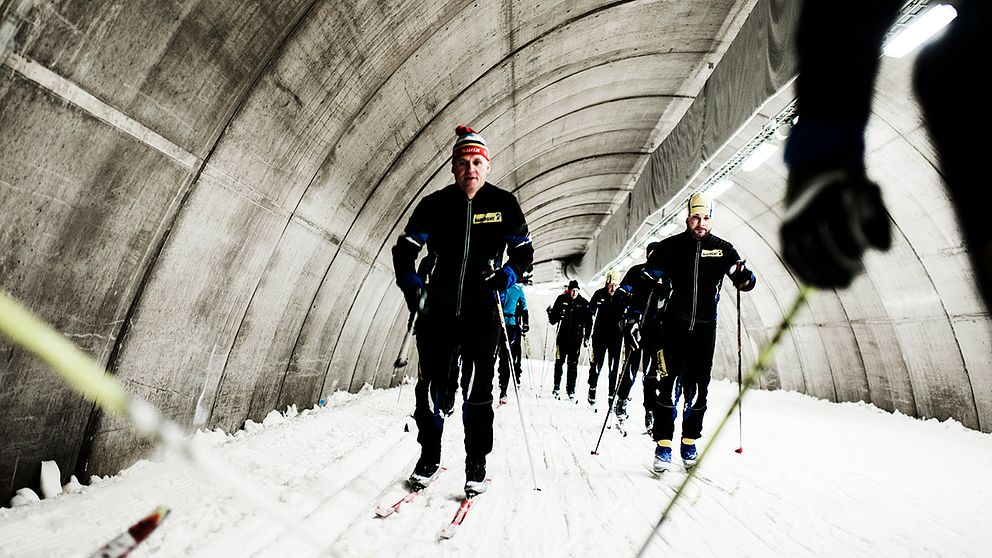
<point x="556" y="393"/>
<point x="592" y="397"/>
<point x="425" y="472"/>
<point x="475" y="476"/>
<point x="622" y="411"/>
<point x="572" y="399"/>
<point x="688" y="451"/>
<point x="503" y="399"/>
<point x="662" y="457"/>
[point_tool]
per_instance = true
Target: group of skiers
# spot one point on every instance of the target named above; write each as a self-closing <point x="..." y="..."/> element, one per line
<point x="660" y="319"/>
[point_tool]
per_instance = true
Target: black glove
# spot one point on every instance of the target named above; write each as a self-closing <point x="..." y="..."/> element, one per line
<point x="585" y="342"/>
<point x="553" y="316"/>
<point x="496" y="280"/>
<point x="632" y="332"/>
<point x="524" y="322"/>
<point x="414" y="291"/>
<point x="832" y="217"/>
<point x="742" y="277"/>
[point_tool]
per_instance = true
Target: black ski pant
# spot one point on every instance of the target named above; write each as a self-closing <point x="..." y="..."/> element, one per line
<point x="476" y="333"/>
<point x="646" y="355"/>
<point x="567" y="350"/>
<point x="603" y="347"/>
<point x="684" y="363"/>
<point x="504" y="366"/>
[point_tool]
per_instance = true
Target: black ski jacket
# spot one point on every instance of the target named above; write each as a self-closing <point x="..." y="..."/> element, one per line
<point x="465" y="235"/>
<point x="607" y="319"/>
<point x="575" y="318"/>
<point x="643" y="294"/>
<point x="696" y="269"/>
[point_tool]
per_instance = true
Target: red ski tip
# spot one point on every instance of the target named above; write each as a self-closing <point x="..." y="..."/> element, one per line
<point x="739" y="450"/>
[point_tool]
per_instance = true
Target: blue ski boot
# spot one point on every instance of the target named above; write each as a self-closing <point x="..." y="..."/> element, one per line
<point x="689" y="455"/>
<point x="662" y="456"/>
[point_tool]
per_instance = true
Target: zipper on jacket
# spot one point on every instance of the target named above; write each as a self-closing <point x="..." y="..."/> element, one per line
<point x="695" y="284"/>
<point x="468" y="238"/>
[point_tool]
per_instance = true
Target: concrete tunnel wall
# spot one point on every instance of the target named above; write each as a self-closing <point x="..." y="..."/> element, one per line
<point x="203" y="194"/>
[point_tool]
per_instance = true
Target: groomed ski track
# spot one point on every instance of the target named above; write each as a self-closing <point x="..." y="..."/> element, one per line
<point x="815" y="479"/>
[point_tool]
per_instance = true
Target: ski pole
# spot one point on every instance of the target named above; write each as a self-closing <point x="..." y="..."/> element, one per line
<point x="403" y="358"/>
<point x="516" y="390"/>
<point x="613" y="398"/>
<point x="740" y="381"/>
<point x="88" y="378"/>
<point x="764" y="357"/>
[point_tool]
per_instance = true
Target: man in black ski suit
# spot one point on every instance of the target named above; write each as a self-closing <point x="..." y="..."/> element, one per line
<point x="606" y="336"/>
<point x="643" y="295"/>
<point x="834" y="211"/>
<point x="572" y="310"/>
<point x="467" y="225"/>
<point x="695" y="261"/>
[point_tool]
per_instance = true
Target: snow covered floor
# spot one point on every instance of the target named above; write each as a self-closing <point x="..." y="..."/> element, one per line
<point x="815" y="479"/>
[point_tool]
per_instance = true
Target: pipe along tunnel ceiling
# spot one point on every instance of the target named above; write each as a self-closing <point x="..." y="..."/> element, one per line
<point x="203" y="195"/>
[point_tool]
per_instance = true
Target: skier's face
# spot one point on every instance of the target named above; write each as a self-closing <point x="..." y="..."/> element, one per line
<point x="470" y="172"/>
<point x="699" y="225"/>
<point x="611" y="288"/>
<point x="573" y="292"/>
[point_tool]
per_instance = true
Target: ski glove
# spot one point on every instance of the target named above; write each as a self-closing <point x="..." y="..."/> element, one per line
<point x="524" y="322"/>
<point x="553" y="316"/>
<point x="499" y="280"/>
<point x="831" y="219"/>
<point x="413" y="290"/>
<point x="743" y="278"/>
<point x="632" y="333"/>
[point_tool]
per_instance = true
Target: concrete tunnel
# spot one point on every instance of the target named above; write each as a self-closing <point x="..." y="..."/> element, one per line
<point x="203" y="195"/>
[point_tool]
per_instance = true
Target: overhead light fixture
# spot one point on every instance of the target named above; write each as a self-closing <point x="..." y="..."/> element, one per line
<point x="918" y="32"/>
<point x="719" y="188"/>
<point x="668" y="229"/>
<point x="759" y="156"/>
<point x="626" y="262"/>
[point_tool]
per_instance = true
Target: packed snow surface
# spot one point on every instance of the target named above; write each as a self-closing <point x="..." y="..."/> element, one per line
<point x="814" y="479"/>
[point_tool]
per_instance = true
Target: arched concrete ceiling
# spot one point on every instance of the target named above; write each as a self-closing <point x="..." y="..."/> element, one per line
<point x="203" y="194"/>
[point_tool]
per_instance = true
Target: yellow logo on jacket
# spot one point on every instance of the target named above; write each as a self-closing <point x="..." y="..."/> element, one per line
<point x="712" y="253"/>
<point x="482" y="218"/>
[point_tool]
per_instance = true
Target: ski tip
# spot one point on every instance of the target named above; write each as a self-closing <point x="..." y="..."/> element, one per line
<point x="739" y="450"/>
<point x="448" y="532"/>
<point x="383" y="511"/>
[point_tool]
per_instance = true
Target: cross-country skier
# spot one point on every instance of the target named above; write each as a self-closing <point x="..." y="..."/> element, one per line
<point x="695" y="261"/>
<point x="572" y="310"/>
<point x="606" y="336"/>
<point x="468" y="224"/>
<point x="643" y="294"/>
<point x="517" y="324"/>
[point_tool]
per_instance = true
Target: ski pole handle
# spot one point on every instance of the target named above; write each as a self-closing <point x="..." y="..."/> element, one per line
<point x="403" y="358"/>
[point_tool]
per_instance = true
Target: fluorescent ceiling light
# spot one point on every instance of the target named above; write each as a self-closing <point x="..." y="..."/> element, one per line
<point x="758" y="156"/>
<point x="626" y="262"/>
<point x="720" y="187"/>
<point x="668" y="229"/>
<point x="922" y="28"/>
